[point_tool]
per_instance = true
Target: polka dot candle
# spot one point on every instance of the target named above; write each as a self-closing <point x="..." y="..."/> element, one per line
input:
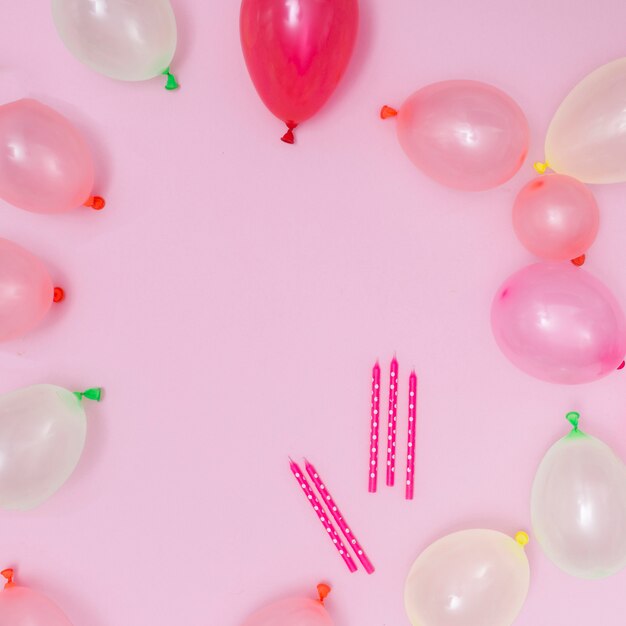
<point x="391" y="425"/>
<point x="374" y="423"/>
<point x="410" y="453"/>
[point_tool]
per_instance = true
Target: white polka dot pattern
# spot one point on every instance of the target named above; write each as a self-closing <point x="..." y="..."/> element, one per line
<point x="392" y="423"/>
<point x="410" y="453"/>
<point x="374" y="423"/>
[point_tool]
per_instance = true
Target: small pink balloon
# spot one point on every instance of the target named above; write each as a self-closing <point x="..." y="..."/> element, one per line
<point x="463" y="133"/>
<point x="26" y="290"/>
<point x="293" y="612"/>
<point x="45" y="164"/>
<point x="296" y="52"/>
<point x="20" y="606"/>
<point x="559" y="323"/>
<point x="556" y="217"/>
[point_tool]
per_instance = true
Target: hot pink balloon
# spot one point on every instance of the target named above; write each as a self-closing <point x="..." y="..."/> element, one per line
<point x="296" y="52"/>
<point x="20" y="606"/>
<point x="294" y="612"/>
<point x="26" y="290"/>
<point x="45" y="164"/>
<point x="556" y="217"/>
<point x="463" y="133"/>
<point x="559" y="323"/>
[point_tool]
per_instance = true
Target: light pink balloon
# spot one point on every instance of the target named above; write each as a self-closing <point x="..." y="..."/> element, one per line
<point x="291" y="612"/>
<point x="464" y="134"/>
<point x="556" y="217"/>
<point x="26" y="290"/>
<point x="559" y="323"/>
<point x="20" y="606"/>
<point x="45" y="164"/>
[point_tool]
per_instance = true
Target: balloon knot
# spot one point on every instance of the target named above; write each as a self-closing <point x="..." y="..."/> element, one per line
<point x="95" y="393"/>
<point x="573" y="417"/>
<point x="522" y="538"/>
<point x="540" y="167"/>
<point x="323" y="590"/>
<point x="95" y="202"/>
<point x="387" y="112"/>
<point x="8" y="574"/>
<point x="579" y="260"/>
<point x="58" y="295"/>
<point x="171" y="83"/>
<point x="621" y="365"/>
<point x="289" y="137"/>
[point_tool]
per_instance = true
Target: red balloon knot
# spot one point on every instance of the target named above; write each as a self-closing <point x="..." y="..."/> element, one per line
<point x="579" y="260"/>
<point x="289" y="137"/>
<point x="95" y="202"/>
<point x="387" y="112"/>
<point x="58" y="295"/>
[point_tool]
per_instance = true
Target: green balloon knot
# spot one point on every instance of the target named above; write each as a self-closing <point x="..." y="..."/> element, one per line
<point x="171" y="83"/>
<point x="573" y="417"/>
<point x="95" y="393"/>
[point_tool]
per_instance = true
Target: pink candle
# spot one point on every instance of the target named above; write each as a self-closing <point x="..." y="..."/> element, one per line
<point x="410" y="453"/>
<point x="391" y="425"/>
<point x="322" y="516"/>
<point x="374" y="421"/>
<point x="341" y="522"/>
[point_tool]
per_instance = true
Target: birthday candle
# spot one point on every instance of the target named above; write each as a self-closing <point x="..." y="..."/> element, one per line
<point x="336" y="513"/>
<point x="410" y="453"/>
<point x="374" y="422"/>
<point x="391" y="425"/>
<point x="322" y="516"/>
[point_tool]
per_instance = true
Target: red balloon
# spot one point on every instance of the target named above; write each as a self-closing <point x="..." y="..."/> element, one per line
<point x="296" y="52"/>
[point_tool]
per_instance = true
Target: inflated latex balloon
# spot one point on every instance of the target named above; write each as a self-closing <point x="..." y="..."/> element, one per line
<point x="578" y="505"/>
<point x="26" y="291"/>
<point x="45" y="164"/>
<point x="586" y="137"/>
<point x="469" y="578"/>
<point x="296" y="52"/>
<point x="556" y="217"/>
<point x="42" y="435"/>
<point x="463" y="133"/>
<point x="21" y="606"/>
<point x="123" y="39"/>
<point x="294" y="612"/>
<point x="559" y="323"/>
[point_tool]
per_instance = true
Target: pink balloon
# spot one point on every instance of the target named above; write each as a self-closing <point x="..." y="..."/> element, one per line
<point x="26" y="290"/>
<point x="296" y="52"/>
<point x="559" y="323"/>
<point x="556" y="217"/>
<point x="462" y="133"/>
<point x="293" y="612"/>
<point x="45" y="164"/>
<point x="20" y="606"/>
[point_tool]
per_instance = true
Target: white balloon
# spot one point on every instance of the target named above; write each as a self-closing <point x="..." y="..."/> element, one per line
<point x="123" y="39"/>
<point x="578" y="506"/>
<point x="42" y="435"/>
<point x="469" y="578"/>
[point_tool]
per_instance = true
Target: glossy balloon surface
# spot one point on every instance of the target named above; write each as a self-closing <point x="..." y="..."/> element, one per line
<point x="21" y="606"/>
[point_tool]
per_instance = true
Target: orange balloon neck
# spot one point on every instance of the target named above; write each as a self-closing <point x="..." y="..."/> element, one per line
<point x="8" y="574"/>
<point x="323" y="590"/>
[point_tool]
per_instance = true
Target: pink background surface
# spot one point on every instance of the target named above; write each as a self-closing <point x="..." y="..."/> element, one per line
<point x="235" y="292"/>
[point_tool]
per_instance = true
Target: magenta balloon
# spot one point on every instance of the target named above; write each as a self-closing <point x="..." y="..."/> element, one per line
<point x="464" y="134"/>
<point x="291" y="612"/>
<point x="20" y="606"/>
<point x="559" y="323"/>
<point x="45" y="165"/>
<point x="556" y="217"/>
<point x="26" y="290"/>
<point x="297" y="51"/>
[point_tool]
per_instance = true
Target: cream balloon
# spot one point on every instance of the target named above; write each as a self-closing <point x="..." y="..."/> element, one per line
<point x="586" y="138"/>
<point x="123" y="39"/>
<point x="468" y="578"/>
<point x="578" y="506"/>
<point x="42" y="435"/>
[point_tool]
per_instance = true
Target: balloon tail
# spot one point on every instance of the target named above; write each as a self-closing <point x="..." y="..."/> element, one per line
<point x="621" y="365"/>
<point x="8" y="574"/>
<point x="95" y="393"/>
<point x="540" y="167"/>
<point x="58" y="295"/>
<point x="323" y="590"/>
<point x="95" y="202"/>
<point x="289" y="137"/>
<point x="171" y="83"/>
<point x="386" y="112"/>
<point x="573" y="417"/>
<point x="522" y="538"/>
<point x="579" y="260"/>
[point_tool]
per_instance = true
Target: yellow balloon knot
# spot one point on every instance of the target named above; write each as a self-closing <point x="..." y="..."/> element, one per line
<point x="522" y="538"/>
<point x="540" y="167"/>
